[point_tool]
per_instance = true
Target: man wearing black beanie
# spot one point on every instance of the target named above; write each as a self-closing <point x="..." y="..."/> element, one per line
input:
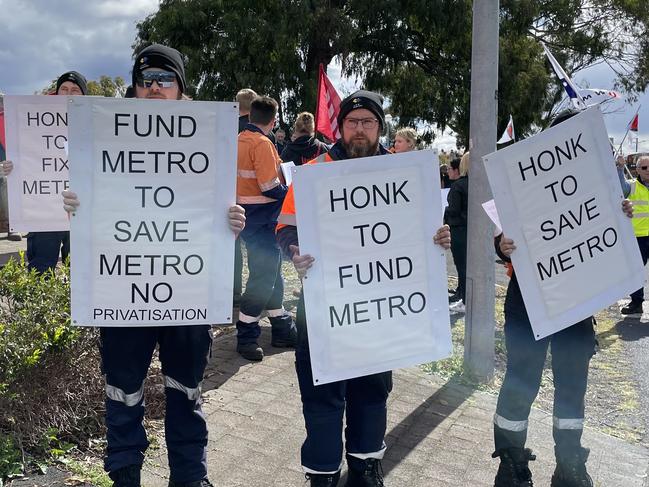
<point x="71" y="83"/>
<point x="43" y="248"/>
<point x="126" y="352"/>
<point x="362" y="400"/>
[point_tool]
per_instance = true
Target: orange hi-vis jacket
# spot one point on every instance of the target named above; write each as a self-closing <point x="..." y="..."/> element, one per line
<point x="287" y="215"/>
<point x="259" y="188"/>
<point x="257" y="168"/>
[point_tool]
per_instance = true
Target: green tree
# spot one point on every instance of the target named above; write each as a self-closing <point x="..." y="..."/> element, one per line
<point x="418" y="52"/>
<point x="271" y="46"/>
<point x="107" y="86"/>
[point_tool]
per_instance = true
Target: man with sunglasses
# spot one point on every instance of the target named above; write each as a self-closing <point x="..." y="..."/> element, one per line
<point x="637" y="190"/>
<point x="126" y="352"/>
<point x="362" y="399"/>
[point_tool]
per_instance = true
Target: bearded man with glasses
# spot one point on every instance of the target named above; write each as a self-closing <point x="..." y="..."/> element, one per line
<point x="362" y="399"/>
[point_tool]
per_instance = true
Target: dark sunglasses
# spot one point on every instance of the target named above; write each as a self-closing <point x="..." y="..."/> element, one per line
<point x="165" y="79"/>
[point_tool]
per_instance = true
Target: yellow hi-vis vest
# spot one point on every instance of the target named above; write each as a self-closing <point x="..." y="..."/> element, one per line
<point x="640" y="197"/>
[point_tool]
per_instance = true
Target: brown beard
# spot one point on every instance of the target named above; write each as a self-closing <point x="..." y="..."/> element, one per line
<point x="356" y="148"/>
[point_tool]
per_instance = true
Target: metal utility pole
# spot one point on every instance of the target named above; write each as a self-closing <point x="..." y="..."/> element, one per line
<point x="479" y="345"/>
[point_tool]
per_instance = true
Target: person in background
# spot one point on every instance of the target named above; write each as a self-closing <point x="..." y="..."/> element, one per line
<point x="280" y="140"/>
<point x="455" y="217"/>
<point x="443" y="176"/>
<point x="44" y="248"/>
<point x="637" y="190"/>
<point x="304" y="146"/>
<point x="405" y="140"/>
<point x="260" y="191"/>
<point x="244" y="97"/>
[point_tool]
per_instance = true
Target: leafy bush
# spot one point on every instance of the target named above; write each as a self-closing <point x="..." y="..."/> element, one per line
<point x="50" y="377"/>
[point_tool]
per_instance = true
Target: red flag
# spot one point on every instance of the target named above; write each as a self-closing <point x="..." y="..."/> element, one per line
<point x="633" y="126"/>
<point x="327" y="108"/>
<point x="508" y="134"/>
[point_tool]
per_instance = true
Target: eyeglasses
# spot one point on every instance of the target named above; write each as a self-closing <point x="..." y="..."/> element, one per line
<point x="644" y="168"/>
<point x="366" y="123"/>
<point x="165" y="79"/>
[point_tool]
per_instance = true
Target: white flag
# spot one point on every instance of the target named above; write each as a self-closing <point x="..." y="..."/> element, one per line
<point x="508" y="134"/>
<point x="595" y="97"/>
<point x="571" y="89"/>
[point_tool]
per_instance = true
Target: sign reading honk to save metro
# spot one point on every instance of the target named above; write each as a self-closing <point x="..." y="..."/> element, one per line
<point x="376" y="296"/>
<point x="559" y="199"/>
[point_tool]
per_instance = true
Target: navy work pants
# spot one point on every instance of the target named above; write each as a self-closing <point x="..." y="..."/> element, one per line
<point x="265" y="286"/>
<point x="43" y="249"/>
<point x="362" y="399"/>
<point x="126" y="355"/>
<point x="643" y="242"/>
<point x="572" y="349"/>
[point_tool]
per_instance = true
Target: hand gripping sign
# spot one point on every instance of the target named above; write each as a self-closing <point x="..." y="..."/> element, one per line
<point x="150" y="241"/>
<point x="376" y="295"/>
<point x="559" y="199"/>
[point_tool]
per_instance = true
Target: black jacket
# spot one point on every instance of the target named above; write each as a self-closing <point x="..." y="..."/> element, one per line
<point x="458" y="203"/>
<point x="303" y="149"/>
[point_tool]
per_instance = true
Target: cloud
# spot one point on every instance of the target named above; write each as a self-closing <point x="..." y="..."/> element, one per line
<point x="42" y="39"/>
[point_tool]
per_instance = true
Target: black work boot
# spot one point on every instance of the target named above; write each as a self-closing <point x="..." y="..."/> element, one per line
<point x="283" y="332"/>
<point x="323" y="480"/>
<point x="632" y="309"/>
<point x="364" y="473"/>
<point x="251" y="351"/>
<point x="571" y="468"/>
<point x="196" y="483"/>
<point x="128" y="476"/>
<point x="514" y="470"/>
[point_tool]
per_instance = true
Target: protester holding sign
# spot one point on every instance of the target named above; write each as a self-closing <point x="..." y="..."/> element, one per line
<point x="362" y="399"/>
<point x="43" y="248"/>
<point x="572" y="349"/>
<point x="637" y="190"/>
<point x="158" y="74"/>
<point x="261" y="192"/>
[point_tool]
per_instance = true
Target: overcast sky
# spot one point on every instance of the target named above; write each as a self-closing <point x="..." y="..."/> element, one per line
<point x="40" y="39"/>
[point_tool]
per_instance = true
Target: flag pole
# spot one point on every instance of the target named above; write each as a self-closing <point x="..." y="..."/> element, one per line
<point x="317" y="102"/>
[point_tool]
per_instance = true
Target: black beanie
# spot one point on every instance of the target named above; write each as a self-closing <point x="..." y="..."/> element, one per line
<point x="362" y="99"/>
<point x="77" y="78"/>
<point x="163" y="57"/>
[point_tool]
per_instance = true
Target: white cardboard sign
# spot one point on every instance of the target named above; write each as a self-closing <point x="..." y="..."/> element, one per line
<point x="150" y="242"/>
<point x="559" y="199"/>
<point x="376" y="295"/>
<point x="37" y="133"/>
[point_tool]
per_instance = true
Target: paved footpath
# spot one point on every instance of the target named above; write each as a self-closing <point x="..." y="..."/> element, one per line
<point x="439" y="434"/>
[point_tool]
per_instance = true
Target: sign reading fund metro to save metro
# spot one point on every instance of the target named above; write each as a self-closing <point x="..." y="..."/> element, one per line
<point x="559" y="198"/>
<point x="37" y="134"/>
<point x="150" y="240"/>
<point x="376" y="295"/>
